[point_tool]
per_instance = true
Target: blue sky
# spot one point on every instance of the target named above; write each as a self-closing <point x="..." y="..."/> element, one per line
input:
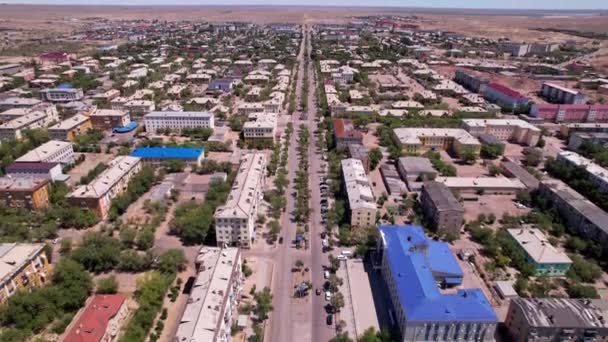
<point x="512" y="4"/>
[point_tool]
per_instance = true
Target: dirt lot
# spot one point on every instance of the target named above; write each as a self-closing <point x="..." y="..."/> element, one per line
<point x="91" y="160"/>
<point x="497" y="204"/>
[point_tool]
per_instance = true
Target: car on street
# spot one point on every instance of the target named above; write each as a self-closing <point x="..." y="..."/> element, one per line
<point x="327" y="296"/>
<point x="341" y="257"/>
<point x="281" y="239"/>
<point x="318" y="292"/>
<point x="326" y="274"/>
<point x="329" y="320"/>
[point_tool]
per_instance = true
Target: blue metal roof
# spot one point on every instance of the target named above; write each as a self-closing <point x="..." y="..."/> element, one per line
<point x="128" y="128"/>
<point x="167" y="152"/>
<point x="413" y="258"/>
<point x="65" y="86"/>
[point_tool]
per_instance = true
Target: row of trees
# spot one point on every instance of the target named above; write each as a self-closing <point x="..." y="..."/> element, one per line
<point x="138" y="185"/>
<point x="302" y="210"/>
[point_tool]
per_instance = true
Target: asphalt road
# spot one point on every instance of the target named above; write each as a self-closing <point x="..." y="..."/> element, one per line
<point x="300" y="320"/>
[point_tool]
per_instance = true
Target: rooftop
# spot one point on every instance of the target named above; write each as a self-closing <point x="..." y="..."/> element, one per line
<point x="416" y="165"/>
<point x="24" y="121"/>
<point x="13" y="256"/>
<point x="594" y="169"/>
<point x="358" y="187"/>
<point x="71" y="122"/>
<point x="240" y="200"/>
<point x="167" y="152"/>
<point x="442" y="197"/>
<point x="202" y="314"/>
<point x="482" y="182"/>
<point x="413" y="259"/>
<point x="536" y="245"/>
<point x="344" y="128"/>
<point x="97" y="188"/>
<point x="42" y="152"/>
<point x="108" y="112"/>
<point x="410" y="136"/>
<point x="507" y="91"/>
<point x="25" y="184"/>
<point x="93" y="321"/>
<point x="499" y="122"/>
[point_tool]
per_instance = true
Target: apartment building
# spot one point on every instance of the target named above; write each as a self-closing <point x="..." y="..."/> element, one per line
<point x="522" y="49"/>
<point x="412" y="266"/>
<point x="24" y="192"/>
<point x="54" y="151"/>
<point x="511" y="169"/>
<point x="544" y="257"/>
<point x="577" y="139"/>
<point x="418" y="140"/>
<point x="70" y="128"/>
<point x="361" y="202"/>
<point x="580" y="214"/>
<point x="441" y="208"/>
<point x="559" y="94"/>
<point x="100" y="320"/>
<point x="504" y="96"/>
<point x="275" y="103"/>
<point x="597" y="174"/>
<point x="345" y="133"/>
<point x="139" y="107"/>
<point x="61" y="95"/>
<point x="106" y="119"/>
<point x="359" y="152"/>
<point x="18" y="102"/>
<point x="51" y="171"/>
<point x="235" y="220"/>
<point x="261" y="126"/>
<point x="486" y="185"/>
<point x="570" y="112"/>
<point x="250" y="108"/>
<point x="23" y="266"/>
<point x="568" y="129"/>
<point x="177" y="121"/>
<point x="113" y="181"/>
<point x="13" y="130"/>
<point x="517" y="131"/>
<point x="211" y="309"/>
<point x="416" y="169"/>
<point x="557" y="319"/>
<point x="471" y="80"/>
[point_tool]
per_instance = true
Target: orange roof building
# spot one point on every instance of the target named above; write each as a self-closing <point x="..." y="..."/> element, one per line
<point x="100" y="320"/>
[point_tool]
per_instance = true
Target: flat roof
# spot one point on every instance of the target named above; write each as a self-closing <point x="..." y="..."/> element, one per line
<point x="99" y="186"/>
<point x="358" y="186"/>
<point x="13" y="256"/>
<point x="261" y="120"/>
<point x="24" y="184"/>
<point x="245" y="186"/>
<point x="167" y="152"/>
<point x="25" y="120"/>
<point x="520" y="173"/>
<point x="93" y="322"/>
<point x="209" y="292"/>
<point x="108" y="112"/>
<point x="595" y="169"/>
<point x="442" y="197"/>
<point x="42" y="152"/>
<point x="536" y="245"/>
<point x="482" y="183"/>
<point x="412" y="259"/>
<point x="563" y="312"/>
<point x="410" y="136"/>
<point x="71" y="122"/>
<point x="416" y="165"/>
<point x="562" y="88"/>
<point x="160" y="114"/>
<point x="499" y="122"/>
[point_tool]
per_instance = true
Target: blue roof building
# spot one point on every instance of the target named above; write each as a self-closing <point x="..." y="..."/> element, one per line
<point x="192" y="156"/>
<point x="413" y="267"/>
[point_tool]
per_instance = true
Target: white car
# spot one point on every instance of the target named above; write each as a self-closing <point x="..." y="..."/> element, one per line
<point x="326" y="274"/>
<point x="327" y="296"/>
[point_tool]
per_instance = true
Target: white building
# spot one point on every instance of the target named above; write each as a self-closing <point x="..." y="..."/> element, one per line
<point x="235" y="221"/>
<point x="361" y="202"/>
<point x="177" y="121"/>
<point x="518" y="131"/>
<point x="213" y="299"/>
<point x="14" y="128"/>
<point x="597" y="174"/>
<point x="61" y="94"/>
<point x="260" y="126"/>
<point x="53" y="151"/>
<point x="139" y="106"/>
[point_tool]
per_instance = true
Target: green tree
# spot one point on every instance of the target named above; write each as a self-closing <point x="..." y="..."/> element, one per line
<point x="337" y="301"/>
<point x="375" y="156"/>
<point x="263" y="304"/>
<point x="97" y="252"/>
<point x="108" y="285"/>
<point x="172" y="261"/>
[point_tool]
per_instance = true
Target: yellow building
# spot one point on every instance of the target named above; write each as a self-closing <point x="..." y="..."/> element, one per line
<point x="22" y="266"/>
<point x="418" y="140"/>
<point x="68" y="129"/>
<point x="24" y="192"/>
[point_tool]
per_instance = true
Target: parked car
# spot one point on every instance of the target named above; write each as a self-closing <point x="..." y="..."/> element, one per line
<point x="318" y="292"/>
<point x="326" y="274"/>
<point x="329" y="320"/>
<point x="327" y="296"/>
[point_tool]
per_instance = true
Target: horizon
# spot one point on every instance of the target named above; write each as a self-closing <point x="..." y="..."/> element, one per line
<point x="517" y="5"/>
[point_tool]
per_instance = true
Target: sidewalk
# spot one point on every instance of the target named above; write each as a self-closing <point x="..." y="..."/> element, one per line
<point x="347" y="314"/>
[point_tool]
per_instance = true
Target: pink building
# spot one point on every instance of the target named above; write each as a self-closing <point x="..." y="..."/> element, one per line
<point x="570" y="112"/>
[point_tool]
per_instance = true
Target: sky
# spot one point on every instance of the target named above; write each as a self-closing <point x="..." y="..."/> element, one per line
<point x="493" y="4"/>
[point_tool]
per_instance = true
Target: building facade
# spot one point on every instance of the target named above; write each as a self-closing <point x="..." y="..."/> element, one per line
<point x="13" y="130"/>
<point x="517" y="131"/>
<point x="235" y="220"/>
<point x="97" y="196"/>
<point x="558" y="94"/>
<point x="261" y="126"/>
<point x="106" y="119"/>
<point x="210" y="313"/>
<point x="570" y="112"/>
<point x="441" y="208"/>
<point x="24" y="192"/>
<point x="100" y="320"/>
<point x="504" y="96"/>
<point x="61" y="95"/>
<point x="23" y="266"/>
<point x="68" y="129"/>
<point x="546" y="259"/>
<point x="177" y="121"/>
<point x="597" y="174"/>
<point x="418" y="140"/>
<point x="345" y="133"/>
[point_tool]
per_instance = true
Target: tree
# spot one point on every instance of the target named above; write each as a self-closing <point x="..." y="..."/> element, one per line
<point x="490" y="151"/>
<point x="97" y="252"/>
<point x="172" y="261"/>
<point x="582" y="270"/>
<point x="145" y="238"/>
<point x="263" y="304"/>
<point x="337" y="301"/>
<point x="371" y="335"/>
<point x="375" y="156"/>
<point x="66" y="246"/>
<point x="341" y="337"/>
<point x="576" y="290"/>
<point x="468" y="155"/>
<point x="174" y="165"/>
<point x="107" y="285"/>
